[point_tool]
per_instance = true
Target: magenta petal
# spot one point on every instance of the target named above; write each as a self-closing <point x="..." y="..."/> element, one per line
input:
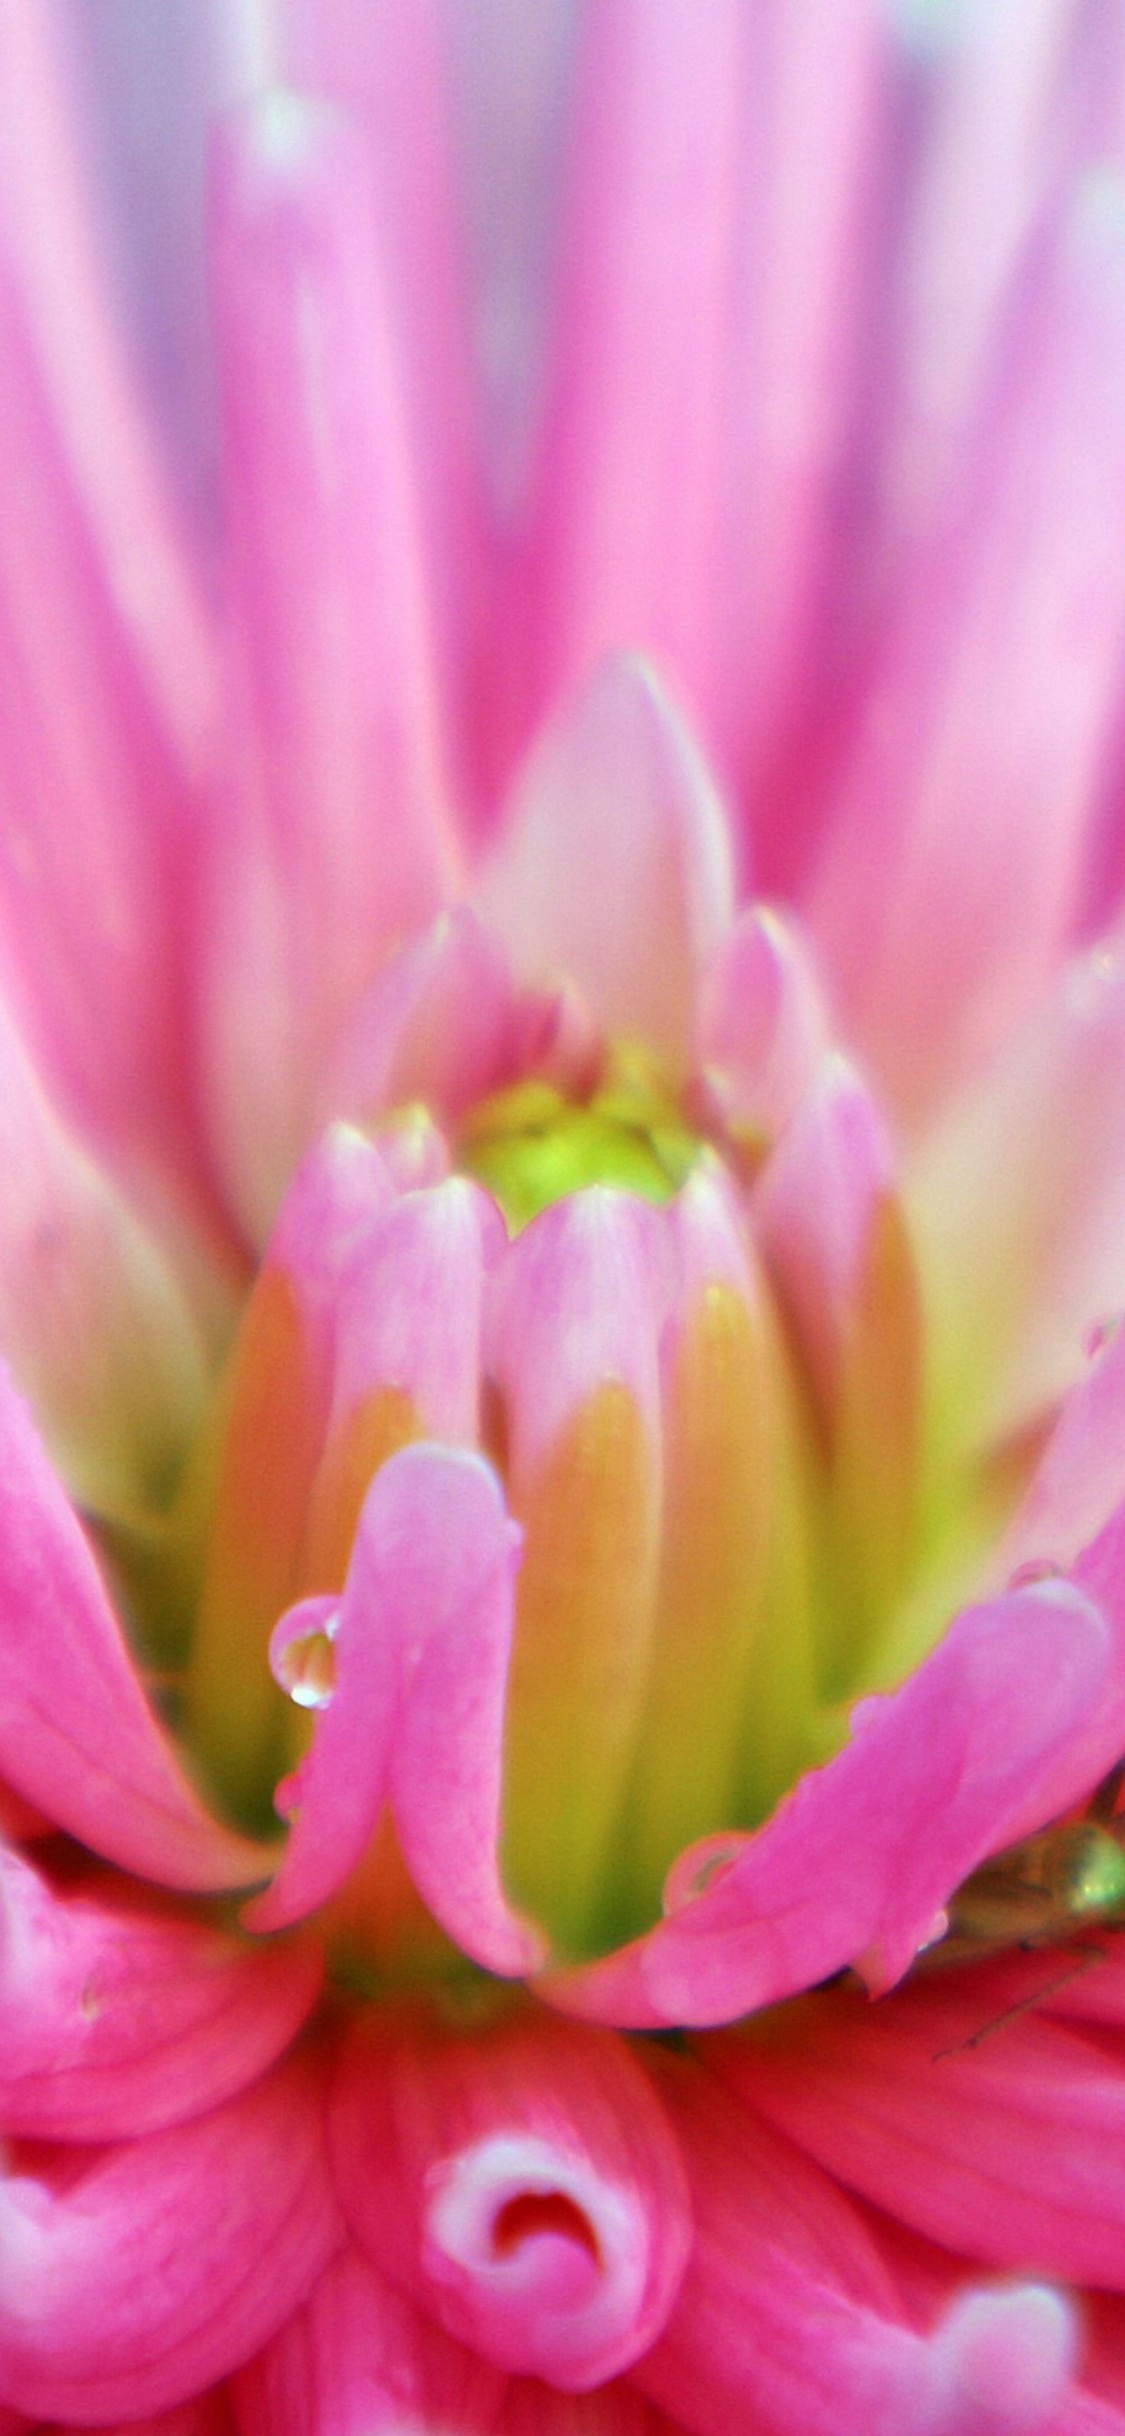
<point x="420" y="1643"/>
<point x="1003" y="2146"/>
<point x="116" y="2019"/>
<point x="208" y="2415"/>
<point x="446" y="1770"/>
<point x="789" y="2321"/>
<point x="1002" y="1727"/>
<point x="355" y="2359"/>
<point x="522" y="2183"/>
<point x="637" y="943"/>
<point x="168" y="2260"/>
<point x="77" y="1737"/>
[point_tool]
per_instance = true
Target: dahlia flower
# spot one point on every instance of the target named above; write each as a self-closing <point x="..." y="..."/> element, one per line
<point x="562" y="1034"/>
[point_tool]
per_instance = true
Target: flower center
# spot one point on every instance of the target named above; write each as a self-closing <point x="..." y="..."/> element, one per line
<point x="532" y="1145"/>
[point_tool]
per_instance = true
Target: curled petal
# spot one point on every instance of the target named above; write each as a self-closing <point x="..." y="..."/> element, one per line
<point x="116" y="2018"/>
<point x="789" y="2320"/>
<point x="77" y="1737"/>
<point x="1010" y="1720"/>
<point x="420" y="1644"/>
<point x="539" y="2208"/>
<point x="168" y="2260"/>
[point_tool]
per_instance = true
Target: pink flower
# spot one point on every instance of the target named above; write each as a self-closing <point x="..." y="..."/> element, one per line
<point x="562" y="1088"/>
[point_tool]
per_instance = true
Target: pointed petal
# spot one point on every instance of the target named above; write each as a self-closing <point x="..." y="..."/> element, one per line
<point x="628" y="503"/>
<point x="761" y="1029"/>
<point x="335" y="841"/>
<point x="420" y="1652"/>
<point x="435" y="1026"/>
<point x="815" y="1208"/>
<point x="629" y="909"/>
<point x="169" y="2260"/>
<point x="1079" y="1484"/>
<point x="76" y="1735"/>
<point x="354" y="2358"/>
<point x="980" y="751"/>
<point x="118" y="2019"/>
<point x="538" y="2205"/>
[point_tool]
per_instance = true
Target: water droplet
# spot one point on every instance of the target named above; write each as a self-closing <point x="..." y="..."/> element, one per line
<point x="306" y="1667"/>
<point x="1036" y="1569"/>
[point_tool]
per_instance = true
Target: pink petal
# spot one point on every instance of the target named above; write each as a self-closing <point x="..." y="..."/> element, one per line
<point x="278" y="1395"/>
<point x="979" y="749"/>
<point x="118" y="2019"/>
<point x="420" y="1659"/>
<point x="628" y="502"/>
<point x="1079" y="1483"/>
<point x="761" y="1029"/>
<point x="578" y="1299"/>
<point x="392" y="66"/>
<point x="108" y="661"/>
<point x="997" y="79"/>
<point x="1004" y="2143"/>
<point x="1009" y="1721"/>
<point x="410" y="1308"/>
<point x="335" y="842"/>
<point x="788" y="2321"/>
<point x="434" y="1026"/>
<point x="407" y="1354"/>
<point x="815" y="1208"/>
<point x="1041" y="1261"/>
<point x="357" y="2357"/>
<point x="77" y="1737"/>
<point x="534" y="2198"/>
<point x="168" y="2260"/>
<point x="95" y="1325"/>
<point x="636" y="944"/>
<point x="812" y="165"/>
<point x="576" y="1309"/>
